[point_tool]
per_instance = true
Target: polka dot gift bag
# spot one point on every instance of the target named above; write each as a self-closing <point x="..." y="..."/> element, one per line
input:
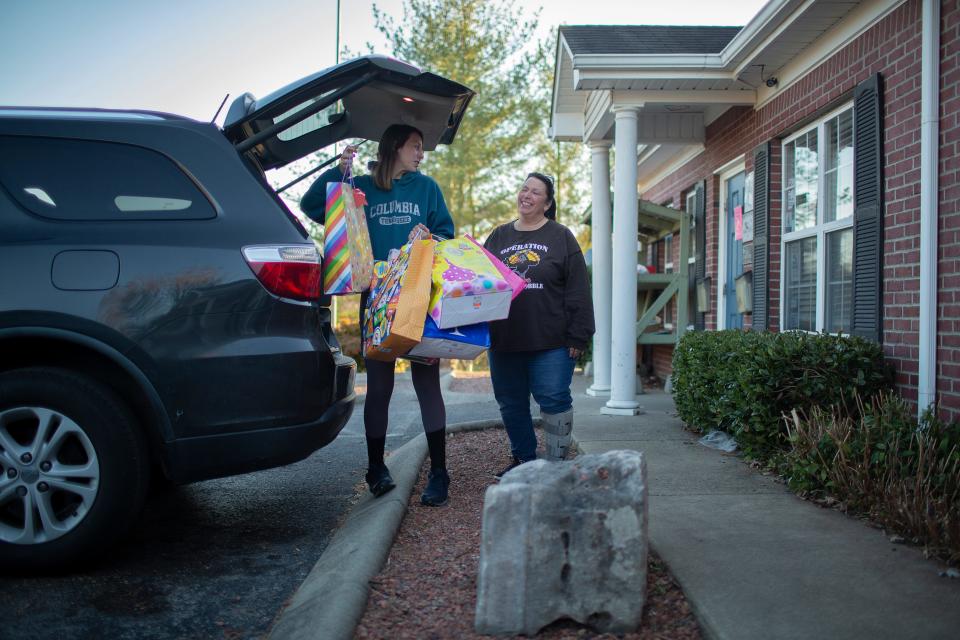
<point x="467" y="288"/>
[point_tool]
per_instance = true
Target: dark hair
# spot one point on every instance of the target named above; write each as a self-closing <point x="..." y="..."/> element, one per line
<point x="392" y="139"/>
<point x="551" y="211"/>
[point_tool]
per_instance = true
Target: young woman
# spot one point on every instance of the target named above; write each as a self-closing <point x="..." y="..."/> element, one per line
<point x="534" y="350"/>
<point x="401" y="202"/>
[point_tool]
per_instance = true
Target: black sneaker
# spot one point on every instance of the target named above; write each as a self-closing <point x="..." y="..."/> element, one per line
<point x="379" y="480"/>
<point x="435" y="495"/>
<point x="514" y="463"/>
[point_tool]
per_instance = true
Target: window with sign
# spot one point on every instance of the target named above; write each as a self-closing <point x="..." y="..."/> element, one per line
<point x="818" y="225"/>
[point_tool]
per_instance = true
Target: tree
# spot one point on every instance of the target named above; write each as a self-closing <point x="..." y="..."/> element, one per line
<point x="484" y="45"/>
<point x="567" y="162"/>
<point x="291" y="197"/>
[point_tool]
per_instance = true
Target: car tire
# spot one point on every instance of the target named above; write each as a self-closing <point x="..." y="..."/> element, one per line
<point x="73" y="457"/>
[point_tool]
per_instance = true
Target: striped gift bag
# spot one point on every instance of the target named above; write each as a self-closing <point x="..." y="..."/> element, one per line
<point x="347" y="254"/>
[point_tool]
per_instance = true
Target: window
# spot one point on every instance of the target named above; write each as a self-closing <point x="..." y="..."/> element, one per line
<point x="316" y="121"/>
<point x="818" y="225"/>
<point x="838" y="169"/>
<point x="86" y="180"/>
<point x="839" y="290"/>
<point x="801" y="285"/>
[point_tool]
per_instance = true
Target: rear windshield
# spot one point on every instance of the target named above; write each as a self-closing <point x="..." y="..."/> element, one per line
<point x="311" y="123"/>
<point x="68" y="179"/>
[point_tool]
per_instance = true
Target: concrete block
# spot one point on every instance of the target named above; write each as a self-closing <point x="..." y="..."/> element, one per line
<point x="565" y="540"/>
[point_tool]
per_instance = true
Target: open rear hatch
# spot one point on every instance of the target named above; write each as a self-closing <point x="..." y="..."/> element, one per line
<point x="359" y="98"/>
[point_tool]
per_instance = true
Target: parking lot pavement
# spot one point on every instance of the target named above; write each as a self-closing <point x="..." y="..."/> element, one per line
<point x="211" y="559"/>
<point x="217" y="558"/>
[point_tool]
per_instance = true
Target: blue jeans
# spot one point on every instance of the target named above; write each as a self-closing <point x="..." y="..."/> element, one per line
<point x="516" y="375"/>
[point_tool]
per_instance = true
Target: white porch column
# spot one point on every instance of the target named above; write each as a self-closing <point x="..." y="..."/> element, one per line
<point x="601" y="242"/>
<point x="623" y="388"/>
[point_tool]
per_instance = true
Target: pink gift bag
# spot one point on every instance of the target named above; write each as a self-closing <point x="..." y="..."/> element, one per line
<point x="516" y="282"/>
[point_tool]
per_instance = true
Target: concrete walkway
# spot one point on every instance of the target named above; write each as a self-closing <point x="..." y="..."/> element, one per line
<point x="755" y="561"/>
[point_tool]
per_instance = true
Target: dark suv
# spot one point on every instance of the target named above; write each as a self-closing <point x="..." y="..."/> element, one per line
<point x="160" y="307"/>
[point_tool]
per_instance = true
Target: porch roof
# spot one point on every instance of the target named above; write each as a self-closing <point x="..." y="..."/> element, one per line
<point x="652" y="219"/>
<point x="681" y="78"/>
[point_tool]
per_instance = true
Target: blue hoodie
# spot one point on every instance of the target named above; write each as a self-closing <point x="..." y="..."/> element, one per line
<point x="414" y="198"/>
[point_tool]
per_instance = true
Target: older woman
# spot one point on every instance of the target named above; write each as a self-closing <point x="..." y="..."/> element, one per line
<point x="534" y="350"/>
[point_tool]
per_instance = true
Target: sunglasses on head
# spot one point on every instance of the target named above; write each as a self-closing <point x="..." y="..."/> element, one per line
<point x="542" y="176"/>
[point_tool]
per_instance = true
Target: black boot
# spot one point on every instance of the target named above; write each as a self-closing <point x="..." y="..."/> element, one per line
<point x="435" y="494"/>
<point x="379" y="480"/>
<point x="514" y="463"/>
<point x="437" y="446"/>
<point x="375" y="447"/>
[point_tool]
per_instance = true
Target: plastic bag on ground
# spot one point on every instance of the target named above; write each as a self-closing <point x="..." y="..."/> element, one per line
<point x="719" y="440"/>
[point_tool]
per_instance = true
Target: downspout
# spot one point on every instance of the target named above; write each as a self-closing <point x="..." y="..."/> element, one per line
<point x="929" y="202"/>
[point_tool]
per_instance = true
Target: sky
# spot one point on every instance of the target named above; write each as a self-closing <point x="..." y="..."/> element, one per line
<point x="184" y="56"/>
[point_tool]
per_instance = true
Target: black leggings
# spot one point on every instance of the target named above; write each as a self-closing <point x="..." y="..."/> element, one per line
<point x="426" y="382"/>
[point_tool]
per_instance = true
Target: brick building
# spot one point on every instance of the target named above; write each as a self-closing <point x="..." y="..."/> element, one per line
<point x="814" y="155"/>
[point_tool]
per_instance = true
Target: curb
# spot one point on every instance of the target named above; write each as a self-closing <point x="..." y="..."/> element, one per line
<point x="333" y="597"/>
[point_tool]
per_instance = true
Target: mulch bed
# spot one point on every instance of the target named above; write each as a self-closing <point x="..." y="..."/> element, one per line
<point x="427" y="591"/>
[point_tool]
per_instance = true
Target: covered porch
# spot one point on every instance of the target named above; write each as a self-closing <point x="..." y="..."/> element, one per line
<point x="649" y="93"/>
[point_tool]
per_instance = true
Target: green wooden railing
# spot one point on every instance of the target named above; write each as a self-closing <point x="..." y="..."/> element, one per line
<point x="655" y="219"/>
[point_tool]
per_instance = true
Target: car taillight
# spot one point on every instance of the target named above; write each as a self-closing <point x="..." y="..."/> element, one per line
<point x="289" y="271"/>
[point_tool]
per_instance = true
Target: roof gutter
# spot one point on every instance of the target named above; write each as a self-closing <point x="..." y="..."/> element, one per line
<point x="705" y="61"/>
<point x="753" y="29"/>
<point x="555" y="87"/>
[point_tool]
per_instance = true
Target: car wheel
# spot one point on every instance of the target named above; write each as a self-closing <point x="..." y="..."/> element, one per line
<point x="74" y="469"/>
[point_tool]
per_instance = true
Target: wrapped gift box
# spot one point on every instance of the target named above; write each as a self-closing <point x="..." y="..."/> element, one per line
<point x="456" y="343"/>
<point x="467" y="286"/>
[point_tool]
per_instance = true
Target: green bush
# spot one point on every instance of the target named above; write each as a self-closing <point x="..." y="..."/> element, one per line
<point x="746" y="382"/>
<point x="347" y="328"/>
<point x="702" y="387"/>
<point x="884" y="463"/>
<point x="348" y="334"/>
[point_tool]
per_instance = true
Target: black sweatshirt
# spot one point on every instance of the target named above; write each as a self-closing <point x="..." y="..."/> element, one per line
<point x="555" y="309"/>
